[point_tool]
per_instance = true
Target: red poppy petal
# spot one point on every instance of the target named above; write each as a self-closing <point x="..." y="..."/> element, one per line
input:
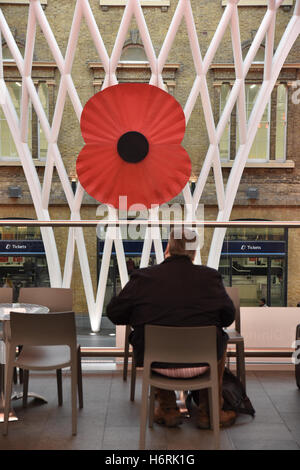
<point x="95" y="163"/>
<point x="165" y="122"/>
<point x="100" y="120"/>
<point x="170" y="167"/>
<point x="132" y="107"/>
<point x="153" y="112"/>
<point x="155" y="180"/>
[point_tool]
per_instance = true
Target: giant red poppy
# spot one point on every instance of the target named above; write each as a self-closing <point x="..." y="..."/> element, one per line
<point x="133" y="133"/>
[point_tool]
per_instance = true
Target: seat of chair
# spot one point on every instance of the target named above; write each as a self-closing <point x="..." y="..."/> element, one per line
<point x="164" y="382"/>
<point x="234" y="335"/>
<point x="35" y="357"/>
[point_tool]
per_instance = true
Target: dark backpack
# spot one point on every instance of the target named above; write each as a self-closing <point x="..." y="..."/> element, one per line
<point x="234" y="395"/>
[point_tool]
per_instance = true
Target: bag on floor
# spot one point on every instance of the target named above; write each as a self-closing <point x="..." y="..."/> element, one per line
<point x="234" y="395"/>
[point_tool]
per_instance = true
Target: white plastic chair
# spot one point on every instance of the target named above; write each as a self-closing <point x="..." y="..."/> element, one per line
<point x="186" y="345"/>
<point x="48" y="342"/>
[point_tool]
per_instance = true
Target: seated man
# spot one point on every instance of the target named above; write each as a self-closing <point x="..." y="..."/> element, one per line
<point x="176" y="292"/>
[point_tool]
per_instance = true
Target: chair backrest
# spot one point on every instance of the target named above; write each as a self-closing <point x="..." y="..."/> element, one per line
<point x="233" y="293"/>
<point x="55" y="298"/>
<point x="186" y="345"/>
<point x="6" y="295"/>
<point x="37" y="329"/>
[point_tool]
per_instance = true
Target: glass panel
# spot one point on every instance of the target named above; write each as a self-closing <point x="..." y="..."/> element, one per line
<point x="260" y="147"/>
<point x="24" y="271"/>
<point x="43" y="95"/>
<point x="8" y="148"/>
<point x="255" y="233"/>
<point x="277" y="282"/>
<point x="250" y="275"/>
<point x="108" y="329"/>
<point x="225" y="139"/>
<point x="7" y="145"/>
<point x="281" y="114"/>
<point x="224" y="269"/>
<point x="20" y="233"/>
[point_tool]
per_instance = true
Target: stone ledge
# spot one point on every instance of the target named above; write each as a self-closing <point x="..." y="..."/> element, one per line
<point x="144" y="3"/>
<point x="24" y="2"/>
<point x="18" y="163"/>
<point x="270" y="164"/>
<point x="257" y="3"/>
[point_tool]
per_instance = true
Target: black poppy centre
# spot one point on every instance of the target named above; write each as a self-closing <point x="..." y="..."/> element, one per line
<point x="133" y="147"/>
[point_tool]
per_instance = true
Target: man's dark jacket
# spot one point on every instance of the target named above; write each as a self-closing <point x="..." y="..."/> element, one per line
<point x="174" y="293"/>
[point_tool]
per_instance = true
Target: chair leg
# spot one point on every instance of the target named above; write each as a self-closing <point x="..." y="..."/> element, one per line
<point x="20" y="370"/>
<point x="126" y="353"/>
<point x="8" y="388"/>
<point x="143" y="415"/>
<point x="79" y="378"/>
<point x="74" y="381"/>
<point x="133" y="379"/>
<point x="151" y="406"/>
<point x="240" y="363"/>
<point x="25" y="387"/>
<point x="214" y="406"/>
<point x="59" y="386"/>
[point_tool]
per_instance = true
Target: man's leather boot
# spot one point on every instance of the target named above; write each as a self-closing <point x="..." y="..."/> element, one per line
<point x="202" y="419"/>
<point x="227" y="418"/>
<point x="167" y="412"/>
<point x="200" y="397"/>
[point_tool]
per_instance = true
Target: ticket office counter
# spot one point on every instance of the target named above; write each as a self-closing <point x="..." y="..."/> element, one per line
<point x="258" y="269"/>
<point x="23" y="264"/>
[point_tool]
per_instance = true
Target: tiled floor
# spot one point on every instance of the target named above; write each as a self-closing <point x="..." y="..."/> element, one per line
<point x="109" y="421"/>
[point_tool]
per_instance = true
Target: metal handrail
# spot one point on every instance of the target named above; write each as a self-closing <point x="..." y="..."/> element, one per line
<point x="153" y="223"/>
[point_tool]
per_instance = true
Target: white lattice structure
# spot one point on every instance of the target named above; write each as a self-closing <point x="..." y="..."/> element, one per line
<point x="247" y="129"/>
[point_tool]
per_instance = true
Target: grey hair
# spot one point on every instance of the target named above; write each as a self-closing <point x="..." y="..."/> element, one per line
<point x="183" y="241"/>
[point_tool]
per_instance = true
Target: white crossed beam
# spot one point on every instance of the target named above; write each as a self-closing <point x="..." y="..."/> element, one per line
<point x="247" y="130"/>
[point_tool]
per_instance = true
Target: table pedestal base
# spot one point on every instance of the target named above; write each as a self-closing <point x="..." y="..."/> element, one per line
<point x="18" y="395"/>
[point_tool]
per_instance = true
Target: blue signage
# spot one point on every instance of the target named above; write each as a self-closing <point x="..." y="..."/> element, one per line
<point x="133" y="248"/>
<point x="254" y="248"/>
<point x="21" y="247"/>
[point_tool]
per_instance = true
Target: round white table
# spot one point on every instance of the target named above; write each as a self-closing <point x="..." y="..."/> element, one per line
<point x="25" y="308"/>
<point x="5" y="309"/>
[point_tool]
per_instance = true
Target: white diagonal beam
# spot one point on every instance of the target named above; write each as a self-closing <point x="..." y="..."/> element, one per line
<point x="148" y="46"/>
